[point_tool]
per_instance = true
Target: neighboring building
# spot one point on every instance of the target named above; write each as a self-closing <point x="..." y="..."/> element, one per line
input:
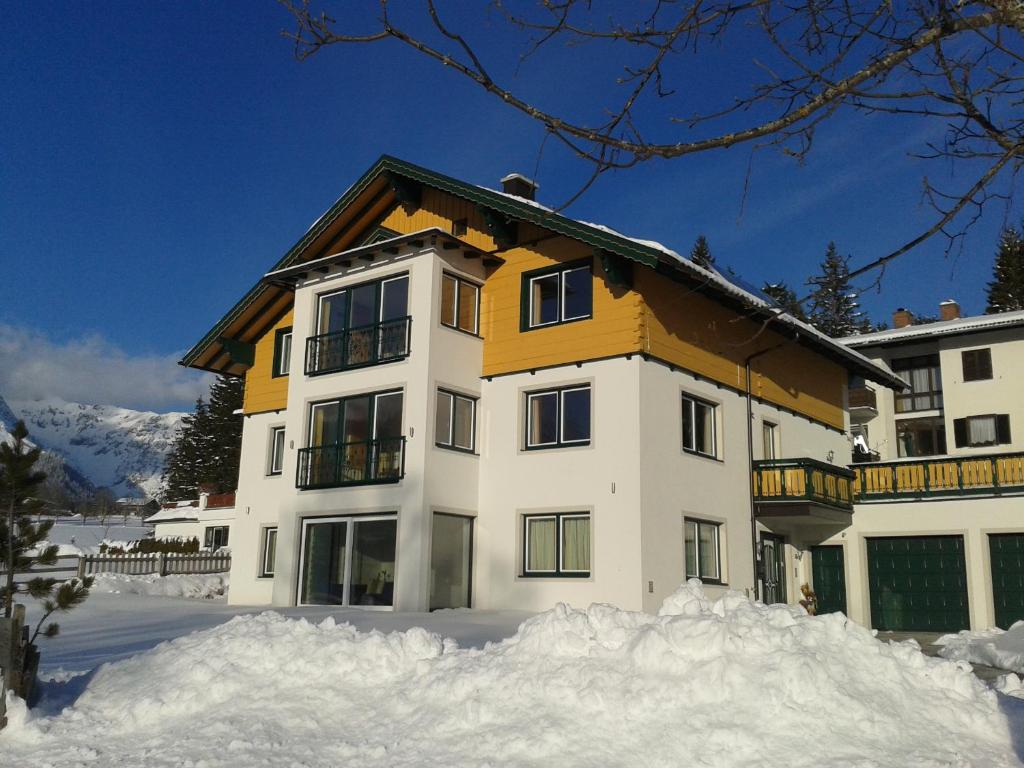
<point x="937" y="541"/>
<point x="455" y="396"/>
<point x="208" y="519"/>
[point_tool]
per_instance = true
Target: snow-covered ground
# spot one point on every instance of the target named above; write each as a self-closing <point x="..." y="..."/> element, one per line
<point x="991" y="647"/>
<point x="713" y="683"/>
<point x="207" y="586"/>
<point x="76" y="537"/>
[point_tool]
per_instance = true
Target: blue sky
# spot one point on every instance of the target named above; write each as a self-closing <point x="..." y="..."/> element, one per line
<point x="157" y="158"/>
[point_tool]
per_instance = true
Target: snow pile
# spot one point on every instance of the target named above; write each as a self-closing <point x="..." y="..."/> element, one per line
<point x="717" y="683"/>
<point x="154" y="585"/>
<point x="999" y="648"/>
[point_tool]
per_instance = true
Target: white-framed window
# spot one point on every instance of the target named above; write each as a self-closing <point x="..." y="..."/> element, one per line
<point x="455" y="421"/>
<point x="557" y="418"/>
<point x="282" y="352"/>
<point x="275" y="461"/>
<point x="702" y="545"/>
<point x="556" y="544"/>
<point x="770" y="439"/>
<point x="699" y="428"/>
<point x="268" y="552"/>
<point x="557" y="295"/>
<point x="460" y="304"/>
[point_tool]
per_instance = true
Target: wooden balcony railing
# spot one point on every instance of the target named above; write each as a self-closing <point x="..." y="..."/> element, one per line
<point x="862" y="397"/>
<point x="991" y="474"/>
<point x="795" y="480"/>
<point x="381" y="342"/>
<point x="362" y="462"/>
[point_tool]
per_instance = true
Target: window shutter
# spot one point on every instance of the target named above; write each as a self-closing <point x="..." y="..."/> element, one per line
<point x="1003" y="428"/>
<point x="960" y="432"/>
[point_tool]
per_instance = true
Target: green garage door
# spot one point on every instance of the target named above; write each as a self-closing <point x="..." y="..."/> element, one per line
<point x="1007" y="551"/>
<point x="829" y="574"/>
<point x="918" y="583"/>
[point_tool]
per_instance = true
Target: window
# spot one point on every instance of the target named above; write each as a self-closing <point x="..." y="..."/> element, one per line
<point x="921" y="437"/>
<point x="455" y="421"/>
<point x="556" y="545"/>
<point x="560" y="295"/>
<point x="977" y="364"/>
<point x="769" y="435"/>
<point x="269" y="552"/>
<point x="276" y="463"/>
<point x="699" y="427"/>
<point x="460" y="304"/>
<point x="977" y="431"/>
<point x="558" y="418"/>
<point x="215" y="537"/>
<point x="922" y="373"/>
<point x="703" y="551"/>
<point x="460" y="227"/>
<point x="282" y="352"/>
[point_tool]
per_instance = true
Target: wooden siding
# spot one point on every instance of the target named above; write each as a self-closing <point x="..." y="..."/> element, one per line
<point x="264" y="392"/>
<point x="690" y="330"/>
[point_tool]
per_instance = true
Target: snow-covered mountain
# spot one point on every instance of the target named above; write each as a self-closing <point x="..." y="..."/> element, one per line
<point x="107" y="446"/>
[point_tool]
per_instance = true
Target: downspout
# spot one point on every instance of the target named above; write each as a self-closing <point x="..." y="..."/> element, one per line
<point x="750" y="456"/>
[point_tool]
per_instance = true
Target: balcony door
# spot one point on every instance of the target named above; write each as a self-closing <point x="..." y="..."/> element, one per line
<point x="773" y="564"/>
<point x="362" y="324"/>
<point x="348" y="561"/>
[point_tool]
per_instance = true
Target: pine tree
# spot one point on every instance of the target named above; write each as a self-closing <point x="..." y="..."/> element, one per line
<point x="208" y="444"/>
<point x="834" y="309"/>
<point x="1006" y="291"/>
<point x="22" y="542"/>
<point x="701" y="253"/>
<point x="785" y="298"/>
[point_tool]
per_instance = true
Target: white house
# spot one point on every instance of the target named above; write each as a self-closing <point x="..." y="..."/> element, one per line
<point x="208" y="519"/>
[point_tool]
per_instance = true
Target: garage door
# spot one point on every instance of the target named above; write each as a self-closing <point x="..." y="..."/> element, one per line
<point x="829" y="575"/>
<point x="918" y="583"/>
<point x="1007" y="556"/>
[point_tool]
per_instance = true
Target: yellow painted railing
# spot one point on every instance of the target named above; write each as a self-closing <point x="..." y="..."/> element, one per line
<point x="978" y="475"/>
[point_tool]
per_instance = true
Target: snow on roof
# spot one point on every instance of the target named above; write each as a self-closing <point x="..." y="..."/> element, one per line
<point x="174" y="514"/>
<point x="939" y="328"/>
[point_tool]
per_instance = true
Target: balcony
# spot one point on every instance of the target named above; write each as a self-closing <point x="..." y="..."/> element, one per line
<point x="989" y="475"/>
<point x="863" y="404"/>
<point x="804" y="499"/>
<point x="359" y="347"/>
<point x="363" y="462"/>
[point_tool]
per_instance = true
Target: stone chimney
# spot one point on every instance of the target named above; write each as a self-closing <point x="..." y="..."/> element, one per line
<point x="901" y="318"/>
<point x="520" y="186"/>
<point x="949" y="310"/>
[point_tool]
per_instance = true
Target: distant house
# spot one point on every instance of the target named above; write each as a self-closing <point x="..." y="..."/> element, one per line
<point x="131" y="506"/>
<point x="207" y="519"/>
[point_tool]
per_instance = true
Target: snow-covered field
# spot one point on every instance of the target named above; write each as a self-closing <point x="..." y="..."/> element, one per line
<point x="711" y="683"/>
<point x="208" y="585"/>
<point x="76" y="538"/>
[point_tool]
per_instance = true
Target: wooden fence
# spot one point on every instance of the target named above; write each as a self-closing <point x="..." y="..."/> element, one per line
<point x="199" y="562"/>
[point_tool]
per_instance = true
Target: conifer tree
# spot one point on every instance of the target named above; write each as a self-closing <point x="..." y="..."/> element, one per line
<point x="701" y="253"/>
<point x="22" y="542"/>
<point x="1006" y="291"/>
<point x="785" y="298"/>
<point x="834" y="309"/>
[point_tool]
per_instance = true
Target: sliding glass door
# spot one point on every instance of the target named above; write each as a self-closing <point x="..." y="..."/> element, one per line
<point x="348" y="561"/>
<point x="362" y="325"/>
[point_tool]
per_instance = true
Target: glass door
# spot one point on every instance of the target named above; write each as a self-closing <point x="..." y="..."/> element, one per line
<point x="451" y="561"/>
<point x="773" y="563"/>
<point x="348" y="561"/>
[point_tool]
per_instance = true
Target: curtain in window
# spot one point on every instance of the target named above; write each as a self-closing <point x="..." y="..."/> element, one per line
<point x="705" y="425"/>
<point x="541" y="543"/>
<point x="708" y="551"/>
<point x="981" y="430"/>
<point x="691" y="549"/>
<point x="576" y="544"/>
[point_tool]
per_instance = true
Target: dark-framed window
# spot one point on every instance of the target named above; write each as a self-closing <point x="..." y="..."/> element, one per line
<point x="921" y="437"/>
<point x="977" y="364"/>
<point x="282" y="352"/>
<point x="268" y="552"/>
<point x="558" y="418"/>
<point x="699" y="427"/>
<point x="703" y="546"/>
<point x="363" y="305"/>
<point x="555" y="295"/>
<point x="460" y="227"/>
<point x="979" y="431"/>
<point x="275" y="464"/>
<point x="556" y="544"/>
<point x="455" y="421"/>
<point x="215" y="537"/>
<point x="460" y="304"/>
<point x="923" y="375"/>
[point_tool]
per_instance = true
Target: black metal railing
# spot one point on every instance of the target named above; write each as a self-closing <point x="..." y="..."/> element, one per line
<point x="365" y="345"/>
<point x="788" y="480"/>
<point x="357" y="463"/>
